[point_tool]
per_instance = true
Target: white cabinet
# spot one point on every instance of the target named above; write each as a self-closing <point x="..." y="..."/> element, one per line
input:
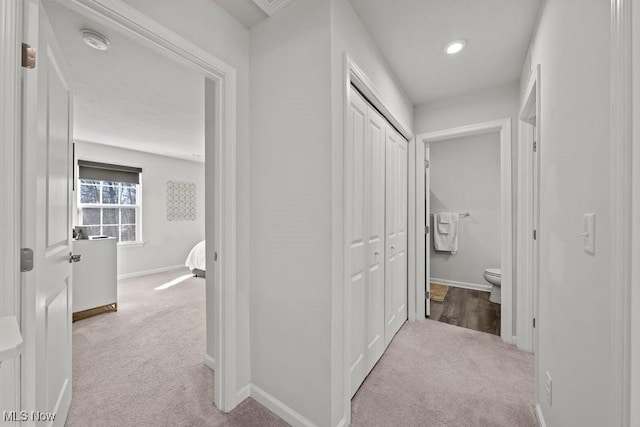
<point x="95" y="277"/>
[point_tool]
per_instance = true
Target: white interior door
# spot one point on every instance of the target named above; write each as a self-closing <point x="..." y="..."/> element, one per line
<point x="396" y="233"/>
<point x="427" y="234"/>
<point x="365" y="228"/>
<point x="47" y="193"/>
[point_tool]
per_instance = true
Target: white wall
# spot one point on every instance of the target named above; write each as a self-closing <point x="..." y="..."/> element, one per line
<point x="205" y="24"/>
<point x="296" y="196"/>
<point x="574" y="314"/>
<point x="291" y="208"/>
<point x="349" y="35"/>
<point x="635" y="304"/>
<point x="465" y="177"/>
<point x="487" y="105"/>
<point x="166" y="243"/>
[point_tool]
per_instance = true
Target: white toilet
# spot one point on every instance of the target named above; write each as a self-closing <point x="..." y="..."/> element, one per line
<point x="494" y="276"/>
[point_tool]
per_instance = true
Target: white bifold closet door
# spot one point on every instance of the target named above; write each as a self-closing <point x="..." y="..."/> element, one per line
<point x="396" y="233"/>
<point x="365" y="191"/>
<point x="373" y="145"/>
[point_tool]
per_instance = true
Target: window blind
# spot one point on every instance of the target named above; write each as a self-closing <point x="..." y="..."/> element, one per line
<point x="108" y="172"/>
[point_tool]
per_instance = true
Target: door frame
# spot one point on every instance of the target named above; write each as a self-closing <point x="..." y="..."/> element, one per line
<point x="624" y="166"/>
<point x="506" y="212"/>
<point x="10" y="181"/>
<point x="634" y="311"/>
<point x="353" y="74"/>
<point x="527" y="290"/>
<point x="221" y="203"/>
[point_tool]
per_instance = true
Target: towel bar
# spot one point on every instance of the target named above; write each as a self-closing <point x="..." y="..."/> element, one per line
<point x="462" y="214"/>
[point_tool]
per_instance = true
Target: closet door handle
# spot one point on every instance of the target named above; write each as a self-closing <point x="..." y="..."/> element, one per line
<point x="393" y="247"/>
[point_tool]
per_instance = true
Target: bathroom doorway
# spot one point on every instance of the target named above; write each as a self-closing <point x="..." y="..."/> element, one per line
<point x="466" y="253"/>
<point x="464" y="224"/>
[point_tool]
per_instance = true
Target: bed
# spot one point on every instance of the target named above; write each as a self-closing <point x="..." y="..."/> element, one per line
<point x="196" y="261"/>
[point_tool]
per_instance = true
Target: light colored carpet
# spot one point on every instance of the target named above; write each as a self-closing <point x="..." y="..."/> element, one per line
<point x="142" y="366"/>
<point x="438" y="292"/>
<point x="435" y="374"/>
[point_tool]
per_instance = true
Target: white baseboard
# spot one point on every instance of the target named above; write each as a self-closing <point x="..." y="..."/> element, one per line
<point x="147" y="272"/>
<point x="484" y="287"/>
<point x="209" y="361"/>
<point x="540" y="417"/>
<point x="243" y="393"/>
<point x="280" y="409"/>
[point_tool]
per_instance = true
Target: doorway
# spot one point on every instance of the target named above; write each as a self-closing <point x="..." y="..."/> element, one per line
<point x="463" y="199"/>
<point x="220" y="146"/>
<point x="423" y="217"/>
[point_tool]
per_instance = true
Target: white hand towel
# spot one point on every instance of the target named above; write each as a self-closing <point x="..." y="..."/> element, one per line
<point x="445" y="236"/>
<point x="443" y="222"/>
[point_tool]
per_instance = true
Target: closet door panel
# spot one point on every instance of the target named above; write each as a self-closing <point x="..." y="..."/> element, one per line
<point x="356" y="241"/>
<point x="402" y="198"/>
<point x="396" y="232"/>
<point x="375" y="178"/>
<point x="391" y="212"/>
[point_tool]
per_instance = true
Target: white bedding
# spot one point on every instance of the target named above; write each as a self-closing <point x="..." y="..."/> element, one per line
<point x="196" y="258"/>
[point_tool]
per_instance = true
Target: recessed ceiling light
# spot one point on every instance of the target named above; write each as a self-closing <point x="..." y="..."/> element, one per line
<point x="455" y="47"/>
<point x="94" y="39"/>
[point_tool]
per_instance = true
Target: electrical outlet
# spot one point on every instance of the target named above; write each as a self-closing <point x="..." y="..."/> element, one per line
<point x="548" y="389"/>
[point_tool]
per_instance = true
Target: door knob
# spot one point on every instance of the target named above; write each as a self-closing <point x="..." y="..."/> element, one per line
<point x="393" y="247"/>
<point x="376" y="253"/>
<point x="74" y="258"/>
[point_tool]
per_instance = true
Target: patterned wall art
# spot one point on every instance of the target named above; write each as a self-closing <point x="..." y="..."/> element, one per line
<point x="181" y="201"/>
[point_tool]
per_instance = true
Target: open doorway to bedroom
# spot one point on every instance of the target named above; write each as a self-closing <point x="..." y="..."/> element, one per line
<point x="139" y="287"/>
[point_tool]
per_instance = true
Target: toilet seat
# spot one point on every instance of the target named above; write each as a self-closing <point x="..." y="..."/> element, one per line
<point x="495" y="272"/>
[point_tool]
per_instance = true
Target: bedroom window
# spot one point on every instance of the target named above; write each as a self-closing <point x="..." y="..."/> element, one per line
<point x="109" y="200"/>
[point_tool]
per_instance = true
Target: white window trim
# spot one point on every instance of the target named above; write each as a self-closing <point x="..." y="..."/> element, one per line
<point x="138" y="207"/>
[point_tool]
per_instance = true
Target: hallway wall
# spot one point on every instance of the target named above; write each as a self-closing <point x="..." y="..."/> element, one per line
<point x="349" y="35"/>
<point x="291" y="209"/>
<point x="297" y="84"/>
<point x="574" y="155"/>
<point x="635" y="302"/>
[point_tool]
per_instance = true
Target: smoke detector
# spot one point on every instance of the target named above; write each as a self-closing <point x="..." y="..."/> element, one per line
<point x="94" y="39"/>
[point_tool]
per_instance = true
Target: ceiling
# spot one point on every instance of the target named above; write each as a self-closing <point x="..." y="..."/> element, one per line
<point x="412" y="35"/>
<point x="130" y="96"/>
<point x="247" y="12"/>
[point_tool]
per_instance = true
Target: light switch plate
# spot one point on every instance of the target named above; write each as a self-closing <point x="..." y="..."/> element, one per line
<point x="589" y="233"/>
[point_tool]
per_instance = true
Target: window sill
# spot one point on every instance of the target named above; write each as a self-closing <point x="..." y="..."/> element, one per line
<point x="131" y="244"/>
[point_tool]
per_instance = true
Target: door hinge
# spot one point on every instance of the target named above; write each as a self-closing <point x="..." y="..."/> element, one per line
<point x="28" y="56"/>
<point x="535" y="146"/>
<point x="535" y="234"/>
<point x="26" y="260"/>
<point x="426" y="164"/>
<point x="427" y="229"/>
<point x="427" y="295"/>
<point x="534" y="322"/>
<point x="215" y="256"/>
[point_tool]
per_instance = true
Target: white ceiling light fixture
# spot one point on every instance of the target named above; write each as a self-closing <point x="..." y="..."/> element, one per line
<point x="455" y="47"/>
<point x="94" y="39"/>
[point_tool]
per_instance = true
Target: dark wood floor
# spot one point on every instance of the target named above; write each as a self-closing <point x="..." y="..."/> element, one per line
<point x="469" y="309"/>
